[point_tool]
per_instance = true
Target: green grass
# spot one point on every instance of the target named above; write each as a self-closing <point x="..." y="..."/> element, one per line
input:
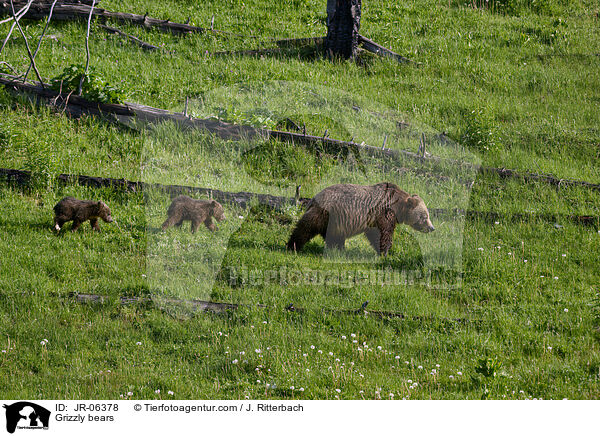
<point x="514" y="85"/>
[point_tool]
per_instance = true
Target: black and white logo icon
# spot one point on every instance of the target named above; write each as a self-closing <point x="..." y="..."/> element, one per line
<point x="26" y="415"/>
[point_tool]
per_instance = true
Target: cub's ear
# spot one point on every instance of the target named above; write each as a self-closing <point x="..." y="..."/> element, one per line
<point x="99" y="204"/>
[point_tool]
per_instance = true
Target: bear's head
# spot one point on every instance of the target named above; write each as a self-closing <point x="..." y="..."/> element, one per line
<point x="104" y="212"/>
<point x="415" y="214"/>
<point x="217" y="210"/>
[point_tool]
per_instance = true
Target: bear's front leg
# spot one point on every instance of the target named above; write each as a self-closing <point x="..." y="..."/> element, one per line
<point x="76" y="224"/>
<point x="210" y="225"/>
<point x="386" y="225"/>
<point x="94" y="224"/>
<point x="374" y="237"/>
<point x="335" y="241"/>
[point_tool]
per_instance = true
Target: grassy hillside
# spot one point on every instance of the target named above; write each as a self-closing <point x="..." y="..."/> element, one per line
<point x="513" y="84"/>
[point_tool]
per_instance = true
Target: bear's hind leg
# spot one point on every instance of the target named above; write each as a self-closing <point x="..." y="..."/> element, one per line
<point x="195" y="225"/>
<point x="312" y="223"/>
<point x="170" y="221"/>
<point x="58" y="223"/>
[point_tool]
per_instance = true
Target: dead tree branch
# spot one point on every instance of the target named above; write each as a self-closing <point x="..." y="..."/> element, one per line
<point x="87" y="48"/>
<point x="41" y="38"/>
<point x="12" y="6"/>
<point x="135" y="40"/>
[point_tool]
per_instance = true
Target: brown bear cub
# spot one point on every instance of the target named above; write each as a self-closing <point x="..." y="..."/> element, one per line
<point x="79" y="211"/>
<point x="184" y="208"/>
<point x="342" y="211"/>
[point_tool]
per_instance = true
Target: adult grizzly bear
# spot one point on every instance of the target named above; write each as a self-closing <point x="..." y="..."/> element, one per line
<point x="79" y="211"/>
<point x="184" y="208"/>
<point x="342" y="211"/>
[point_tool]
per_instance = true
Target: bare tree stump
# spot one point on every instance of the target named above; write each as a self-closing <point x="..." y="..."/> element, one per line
<point x="343" y="25"/>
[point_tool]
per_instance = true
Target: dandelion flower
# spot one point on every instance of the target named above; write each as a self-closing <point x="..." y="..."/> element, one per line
<point x="459" y="373"/>
<point x="138" y="343"/>
<point x="353" y="335"/>
<point x="301" y="389"/>
<point x="292" y="387"/>
<point x="420" y="367"/>
<point x="234" y="361"/>
<point x="343" y="337"/>
<point x="171" y="393"/>
<point x="331" y="353"/>
<point x="157" y="391"/>
<point x="129" y="394"/>
<point x="312" y="347"/>
<point x="338" y="391"/>
<point x="566" y="310"/>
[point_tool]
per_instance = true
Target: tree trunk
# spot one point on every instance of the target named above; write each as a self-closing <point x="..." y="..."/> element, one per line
<point x="343" y="25"/>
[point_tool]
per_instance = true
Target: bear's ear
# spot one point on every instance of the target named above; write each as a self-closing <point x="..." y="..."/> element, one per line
<point x="99" y="204"/>
<point x="412" y="202"/>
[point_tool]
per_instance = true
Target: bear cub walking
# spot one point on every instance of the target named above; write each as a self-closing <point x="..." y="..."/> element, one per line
<point x="184" y="208"/>
<point x="79" y="211"/>
<point x="342" y="211"/>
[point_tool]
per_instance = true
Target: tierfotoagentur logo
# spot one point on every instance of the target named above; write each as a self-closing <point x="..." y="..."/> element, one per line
<point x="27" y="416"/>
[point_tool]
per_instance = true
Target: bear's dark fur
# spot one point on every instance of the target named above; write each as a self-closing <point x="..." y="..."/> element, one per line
<point x="342" y="211"/>
<point x="79" y="211"/>
<point x="184" y="208"/>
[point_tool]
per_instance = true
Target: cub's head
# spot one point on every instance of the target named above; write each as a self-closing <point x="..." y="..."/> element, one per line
<point x="217" y="210"/>
<point x="416" y="215"/>
<point x="104" y="212"/>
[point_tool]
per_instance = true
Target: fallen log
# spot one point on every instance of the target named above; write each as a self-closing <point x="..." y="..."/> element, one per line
<point x="80" y="11"/>
<point x="221" y="308"/>
<point x="137" y="41"/>
<point x="373" y="47"/>
<point x="71" y="11"/>
<point x="132" y="113"/>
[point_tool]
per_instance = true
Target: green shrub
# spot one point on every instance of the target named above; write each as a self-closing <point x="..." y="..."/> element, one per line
<point x="94" y="87"/>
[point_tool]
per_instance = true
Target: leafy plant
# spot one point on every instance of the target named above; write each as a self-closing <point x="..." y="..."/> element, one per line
<point x="94" y="87"/>
<point x="480" y="133"/>
<point x="488" y="367"/>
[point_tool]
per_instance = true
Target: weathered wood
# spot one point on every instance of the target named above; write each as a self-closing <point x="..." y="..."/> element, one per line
<point x="373" y="47"/>
<point x="220" y="308"/>
<point x="66" y="12"/>
<point x="131" y="113"/>
<point x="343" y="26"/>
<point x="137" y="41"/>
